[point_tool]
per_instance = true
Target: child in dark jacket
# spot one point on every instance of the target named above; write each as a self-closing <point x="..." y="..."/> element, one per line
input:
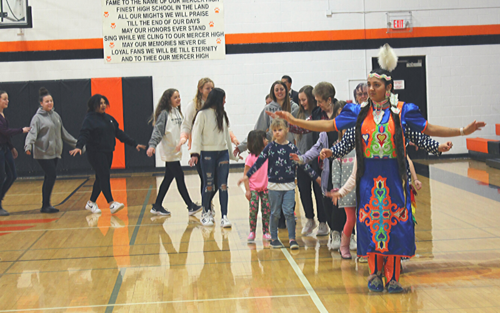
<point x="281" y="180"/>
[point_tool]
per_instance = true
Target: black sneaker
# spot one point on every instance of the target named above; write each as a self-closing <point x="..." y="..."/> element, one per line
<point x="276" y="244"/>
<point x="294" y="245"/>
<point x="3" y="212"/>
<point x="194" y="208"/>
<point x="159" y="210"/>
<point x="49" y="209"/>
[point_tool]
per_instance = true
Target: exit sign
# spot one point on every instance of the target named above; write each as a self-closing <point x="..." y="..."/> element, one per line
<point x="398" y="24"/>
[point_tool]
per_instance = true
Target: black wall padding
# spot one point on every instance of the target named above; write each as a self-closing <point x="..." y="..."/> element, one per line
<point x="70" y="101"/>
<point x="137" y="109"/>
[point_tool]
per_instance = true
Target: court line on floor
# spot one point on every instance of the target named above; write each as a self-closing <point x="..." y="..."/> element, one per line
<point x="155" y="303"/>
<point x="121" y="274"/>
<point x="305" y="282"/>
<point x="73" y="192"/>
<point x="22" y="254"/>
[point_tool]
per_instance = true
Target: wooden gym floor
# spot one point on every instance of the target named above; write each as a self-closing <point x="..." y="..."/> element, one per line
<point x="133" y="261"/>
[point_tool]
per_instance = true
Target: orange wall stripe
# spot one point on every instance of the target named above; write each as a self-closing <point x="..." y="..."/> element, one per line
<point x="47" y="45"/>
<point x="277" y="37"/>
<point x="112" y="89"/>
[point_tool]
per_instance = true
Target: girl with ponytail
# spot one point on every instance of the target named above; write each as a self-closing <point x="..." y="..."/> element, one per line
<point x="45" y="142"/>
<point x="385" y="228"/>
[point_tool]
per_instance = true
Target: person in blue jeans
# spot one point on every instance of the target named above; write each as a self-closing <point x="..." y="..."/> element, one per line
<point x="282" y="171"/>
<point x="211" y="145"/>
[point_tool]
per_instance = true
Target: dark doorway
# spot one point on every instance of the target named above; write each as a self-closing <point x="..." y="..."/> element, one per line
<point x="410" y="84"/>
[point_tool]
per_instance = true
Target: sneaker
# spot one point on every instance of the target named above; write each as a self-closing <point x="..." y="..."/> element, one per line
<point x="3" y="212"/>
<point x="115" y="207"/>
<point x="276" y="244"/>
<point x="225" y="223"/>
<point x="92" y="207"/>
<point x="160" y="210"/>
<point x="294" y="245"/>
<point x="308" y="228"/>
<point x="323" y="230"/>
<point x="194" y="208"/>
<point x="206" y="219"/>
<point x="353" y="245"/>
<point x="335" y="240"/>
<point x="251" y="237"/>
<point x="49" y="209"/>
<point x="266" y="236"/>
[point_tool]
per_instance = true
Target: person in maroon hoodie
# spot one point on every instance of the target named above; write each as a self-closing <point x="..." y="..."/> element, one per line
<point x="7" y="151"/>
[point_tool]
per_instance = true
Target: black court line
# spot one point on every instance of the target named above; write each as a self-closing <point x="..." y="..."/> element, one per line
<point x="22" y="254"/>
<point x="72" y="193"/>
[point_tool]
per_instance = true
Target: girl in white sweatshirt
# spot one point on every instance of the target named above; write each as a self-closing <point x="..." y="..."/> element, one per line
<point x="211" y="145"/>
<point x="167" y="120"/>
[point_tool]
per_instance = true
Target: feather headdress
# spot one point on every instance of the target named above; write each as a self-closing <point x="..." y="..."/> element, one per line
<point x="387" y="58"/>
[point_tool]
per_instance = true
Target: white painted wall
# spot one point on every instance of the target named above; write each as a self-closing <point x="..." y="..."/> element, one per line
<point x="461" y="80"/>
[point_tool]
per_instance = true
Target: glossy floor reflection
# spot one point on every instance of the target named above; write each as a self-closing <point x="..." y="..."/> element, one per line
<point x="133" y="261"/>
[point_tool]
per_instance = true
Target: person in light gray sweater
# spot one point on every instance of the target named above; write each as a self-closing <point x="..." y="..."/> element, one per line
<point x="45" y="142"/>
<point x="167" y="120"/>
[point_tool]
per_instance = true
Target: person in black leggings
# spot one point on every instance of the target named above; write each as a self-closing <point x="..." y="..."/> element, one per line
<point x="98" y="134"/>
<point x="7" y="151"/>
<point x="45" y="142"/>
<point x="167" y="120"/>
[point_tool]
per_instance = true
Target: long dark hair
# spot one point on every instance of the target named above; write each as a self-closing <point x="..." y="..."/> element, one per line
<point x="165" y="103"/>
<point x="287" y="106"/>
<point x="311" y="101"/>
<point x="398" y="141"/>
<point x="42" y="93"/>
<point x="215" y="100"/>
<point x="95" y="102"/>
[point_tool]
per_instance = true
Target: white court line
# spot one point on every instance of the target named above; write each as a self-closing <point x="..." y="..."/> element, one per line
<point x="305" y="282"/>
<point x="151" y="303"/>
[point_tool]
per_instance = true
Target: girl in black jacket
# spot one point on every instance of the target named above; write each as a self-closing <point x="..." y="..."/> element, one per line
<point x="98" y="134"/>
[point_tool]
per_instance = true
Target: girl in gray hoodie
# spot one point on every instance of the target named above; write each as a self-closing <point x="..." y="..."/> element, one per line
<point x="45" y="142"/>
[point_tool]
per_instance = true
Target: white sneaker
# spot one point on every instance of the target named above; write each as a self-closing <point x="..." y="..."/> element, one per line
<point x="115" y="207"/>
<point x="309" y="227"/>
<point x="224" y="222"/>
<point x="92" y="207"/>
<point x="335" y="240"/>
<point x="323" y="230"/>
<point x="207" y="219"/>
<point x="353" y="245"/>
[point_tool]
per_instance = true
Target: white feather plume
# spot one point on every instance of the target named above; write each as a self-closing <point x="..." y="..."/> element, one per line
<point x="387" y="58"/>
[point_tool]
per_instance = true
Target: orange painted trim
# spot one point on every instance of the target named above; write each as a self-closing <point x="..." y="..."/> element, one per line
<point x="359" y="34"/>
<point x="276" y="37"/>
<point x="48" y="45"/>
<point x="112" y="89"/>
<point x="497" y="129"/>
<point x="37" y="221"/>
